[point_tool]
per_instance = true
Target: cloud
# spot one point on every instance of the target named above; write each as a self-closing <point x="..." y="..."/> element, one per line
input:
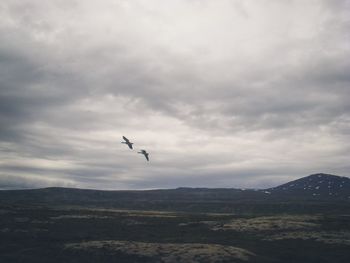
<point x="28" y="181"/>
<point x="225" y="94"/>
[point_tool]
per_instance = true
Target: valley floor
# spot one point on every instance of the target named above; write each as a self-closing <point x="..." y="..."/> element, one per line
<point x="78" y="234"/>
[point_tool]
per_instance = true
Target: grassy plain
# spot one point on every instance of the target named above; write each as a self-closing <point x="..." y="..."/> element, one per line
<point x="81" y="234"/>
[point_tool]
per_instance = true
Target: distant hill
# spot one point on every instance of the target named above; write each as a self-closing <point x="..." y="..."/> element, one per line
<point x="320" y="186"/>
<point x="311" y="193"/>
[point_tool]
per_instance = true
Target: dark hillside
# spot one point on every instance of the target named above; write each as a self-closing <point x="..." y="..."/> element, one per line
<point x="313" y="193"/>
<point x="319" y="186"/>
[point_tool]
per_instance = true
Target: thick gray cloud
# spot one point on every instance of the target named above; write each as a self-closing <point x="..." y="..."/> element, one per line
<point x="227" y="93"/>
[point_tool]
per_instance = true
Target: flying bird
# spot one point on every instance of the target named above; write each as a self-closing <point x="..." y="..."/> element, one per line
<point x="127" y="142"/>
<point x="145" y="154"/>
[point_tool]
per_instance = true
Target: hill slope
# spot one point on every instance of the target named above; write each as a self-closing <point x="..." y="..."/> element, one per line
<point x="311" y="193"/>
<point x="321" y="186"/>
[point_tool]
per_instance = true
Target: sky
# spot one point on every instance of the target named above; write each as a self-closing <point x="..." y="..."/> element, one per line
<point x="224" y="93"/>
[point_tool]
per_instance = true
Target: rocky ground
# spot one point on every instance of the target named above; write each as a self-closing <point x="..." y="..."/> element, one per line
<point x="80" y="234"/>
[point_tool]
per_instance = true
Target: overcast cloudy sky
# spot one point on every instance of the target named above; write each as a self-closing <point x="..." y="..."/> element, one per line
<point x="225" y="93"/>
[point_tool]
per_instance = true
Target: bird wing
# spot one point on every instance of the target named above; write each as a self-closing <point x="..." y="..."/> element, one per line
<point x="146" y="155"/>
<point x="130" y="145"/>
<point x="125" y="139"/>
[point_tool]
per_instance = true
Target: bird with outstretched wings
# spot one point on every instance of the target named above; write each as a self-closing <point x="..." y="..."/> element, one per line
<point x="127" y="142"/>
<point x="145" y="154"/>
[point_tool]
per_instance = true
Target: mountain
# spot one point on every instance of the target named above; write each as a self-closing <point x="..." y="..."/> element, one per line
<point x="313" y="193"/>
<point x="320" y="186"/>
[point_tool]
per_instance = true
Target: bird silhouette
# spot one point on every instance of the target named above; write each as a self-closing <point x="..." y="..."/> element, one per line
<point x="127" y="142"/>
<point x="145" y="154"/>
